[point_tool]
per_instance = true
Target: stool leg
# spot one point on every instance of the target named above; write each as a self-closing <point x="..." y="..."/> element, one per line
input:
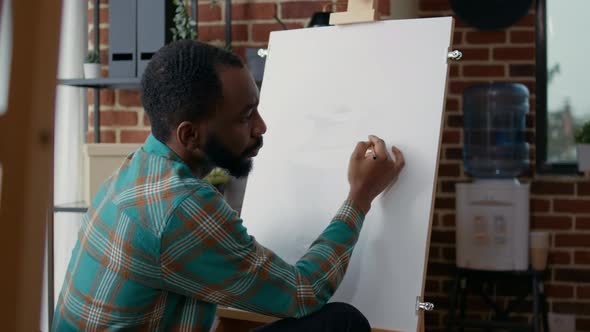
<point x="545" y="309"/>
<point x="462" y="301"/>
<point x="536" y="311"/>
<point x="453" y="303"/>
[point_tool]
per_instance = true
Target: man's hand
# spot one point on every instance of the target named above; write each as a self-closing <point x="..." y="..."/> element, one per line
<point x="367" y="176"/>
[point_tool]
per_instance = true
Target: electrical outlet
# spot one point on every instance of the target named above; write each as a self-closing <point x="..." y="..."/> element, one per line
<point x="562" y="323"/>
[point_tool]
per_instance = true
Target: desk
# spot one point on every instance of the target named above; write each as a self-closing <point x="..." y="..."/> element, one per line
<point x="467" y="280"/>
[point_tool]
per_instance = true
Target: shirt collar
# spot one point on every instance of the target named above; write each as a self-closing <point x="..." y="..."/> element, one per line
<point x="153" y="146"/>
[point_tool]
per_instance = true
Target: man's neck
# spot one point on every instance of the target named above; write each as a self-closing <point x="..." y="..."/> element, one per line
<point x="199" y="167"/>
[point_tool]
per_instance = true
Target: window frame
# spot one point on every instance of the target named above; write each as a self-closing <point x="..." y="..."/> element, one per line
<point x="541" y="112"/>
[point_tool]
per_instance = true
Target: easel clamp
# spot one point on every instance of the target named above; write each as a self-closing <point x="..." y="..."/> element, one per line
<point x="424" y="306"/>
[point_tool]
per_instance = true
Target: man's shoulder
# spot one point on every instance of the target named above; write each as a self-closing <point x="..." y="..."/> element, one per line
<point x="154" y="185"/>
<point x="204" y="205"/>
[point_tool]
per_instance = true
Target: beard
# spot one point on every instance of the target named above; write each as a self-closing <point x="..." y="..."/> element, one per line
<point x="219" y="156"/>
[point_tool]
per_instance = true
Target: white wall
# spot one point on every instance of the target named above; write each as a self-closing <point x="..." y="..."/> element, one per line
<point x="70" y="107"/>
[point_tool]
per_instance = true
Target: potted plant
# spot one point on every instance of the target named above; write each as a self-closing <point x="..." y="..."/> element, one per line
<point x="184" y="26"/>
<point x="218" y="177"/>
<point x="92" y="65"/>
<point x="582" y="137"/>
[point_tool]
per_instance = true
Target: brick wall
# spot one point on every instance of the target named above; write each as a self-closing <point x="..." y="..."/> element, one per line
<point x="122" y="118"/>
<point x="559" y="204"/>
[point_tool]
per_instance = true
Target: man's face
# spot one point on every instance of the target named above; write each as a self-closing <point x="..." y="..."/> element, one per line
<point x="234" y="133"/>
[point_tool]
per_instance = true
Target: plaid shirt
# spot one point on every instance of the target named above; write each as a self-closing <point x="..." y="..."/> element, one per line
<point x="160" y="248"/>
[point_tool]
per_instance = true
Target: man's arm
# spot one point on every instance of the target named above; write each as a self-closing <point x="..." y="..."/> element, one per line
<point x="208" y="254"/>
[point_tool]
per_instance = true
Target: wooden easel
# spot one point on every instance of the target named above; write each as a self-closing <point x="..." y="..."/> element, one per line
<point x="230" y="320"/>
<point x="26" y="155"/>
<point x="358" y="11"/>
<point x="234" y="320"/>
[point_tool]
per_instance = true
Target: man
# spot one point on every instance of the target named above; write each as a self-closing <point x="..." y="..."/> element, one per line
<point x="160" y="248"/>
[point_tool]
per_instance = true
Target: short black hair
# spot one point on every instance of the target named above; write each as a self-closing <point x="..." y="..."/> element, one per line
<point x="181" y="83"/>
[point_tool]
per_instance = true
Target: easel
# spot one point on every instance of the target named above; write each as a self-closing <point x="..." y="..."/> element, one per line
<point x="234" y="320"/>
<point x="358" y="11"/>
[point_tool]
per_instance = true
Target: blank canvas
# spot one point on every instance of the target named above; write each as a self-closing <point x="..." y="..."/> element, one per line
<point x="324" y="89"/>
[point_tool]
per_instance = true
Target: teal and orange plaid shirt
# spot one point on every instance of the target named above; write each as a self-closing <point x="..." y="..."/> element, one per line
<point x="160" y="248"/>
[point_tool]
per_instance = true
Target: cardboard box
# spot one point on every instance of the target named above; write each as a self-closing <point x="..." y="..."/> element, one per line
<point x="101" y="161"/>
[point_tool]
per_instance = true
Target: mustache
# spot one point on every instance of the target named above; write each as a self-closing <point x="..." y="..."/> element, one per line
<point x="259" y="143"/>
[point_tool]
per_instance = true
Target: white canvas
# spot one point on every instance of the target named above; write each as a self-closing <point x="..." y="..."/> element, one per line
<point x="324" y="89"/>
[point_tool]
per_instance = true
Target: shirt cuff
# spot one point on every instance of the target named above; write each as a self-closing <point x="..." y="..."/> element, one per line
<point x="351" y="215"/>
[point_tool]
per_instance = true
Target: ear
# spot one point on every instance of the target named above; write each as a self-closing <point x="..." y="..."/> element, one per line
<point x="189" y="135"/>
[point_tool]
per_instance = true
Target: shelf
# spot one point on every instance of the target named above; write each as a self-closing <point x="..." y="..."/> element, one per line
<point x="77" y="207"/>
<point x="129" y="83"/>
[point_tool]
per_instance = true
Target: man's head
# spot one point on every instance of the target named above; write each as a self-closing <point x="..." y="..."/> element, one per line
<point x="202" y="102"/>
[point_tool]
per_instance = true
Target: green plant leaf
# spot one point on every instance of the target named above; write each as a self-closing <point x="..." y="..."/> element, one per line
<point x="92" y="57"/>
<point x="582" y="134"/>
<point x="184" y="25"/>
<point x="217" y="176"/>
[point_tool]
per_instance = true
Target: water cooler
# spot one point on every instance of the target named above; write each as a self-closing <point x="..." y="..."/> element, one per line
<point x="492" y="222"/>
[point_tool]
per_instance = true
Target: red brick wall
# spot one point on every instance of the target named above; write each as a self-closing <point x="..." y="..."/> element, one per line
<point x="122" y="118"/>
<point x="559" y="204"/>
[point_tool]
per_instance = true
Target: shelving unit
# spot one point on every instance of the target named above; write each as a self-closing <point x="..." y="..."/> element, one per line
<point x="103" y="83"/>
<point x="77" y="207"/>
<point x="131" y="83"/>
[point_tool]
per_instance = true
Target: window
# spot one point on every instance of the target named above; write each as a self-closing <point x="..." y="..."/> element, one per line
<point x="563" y="81"/>
<point x="5" y="51"/>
